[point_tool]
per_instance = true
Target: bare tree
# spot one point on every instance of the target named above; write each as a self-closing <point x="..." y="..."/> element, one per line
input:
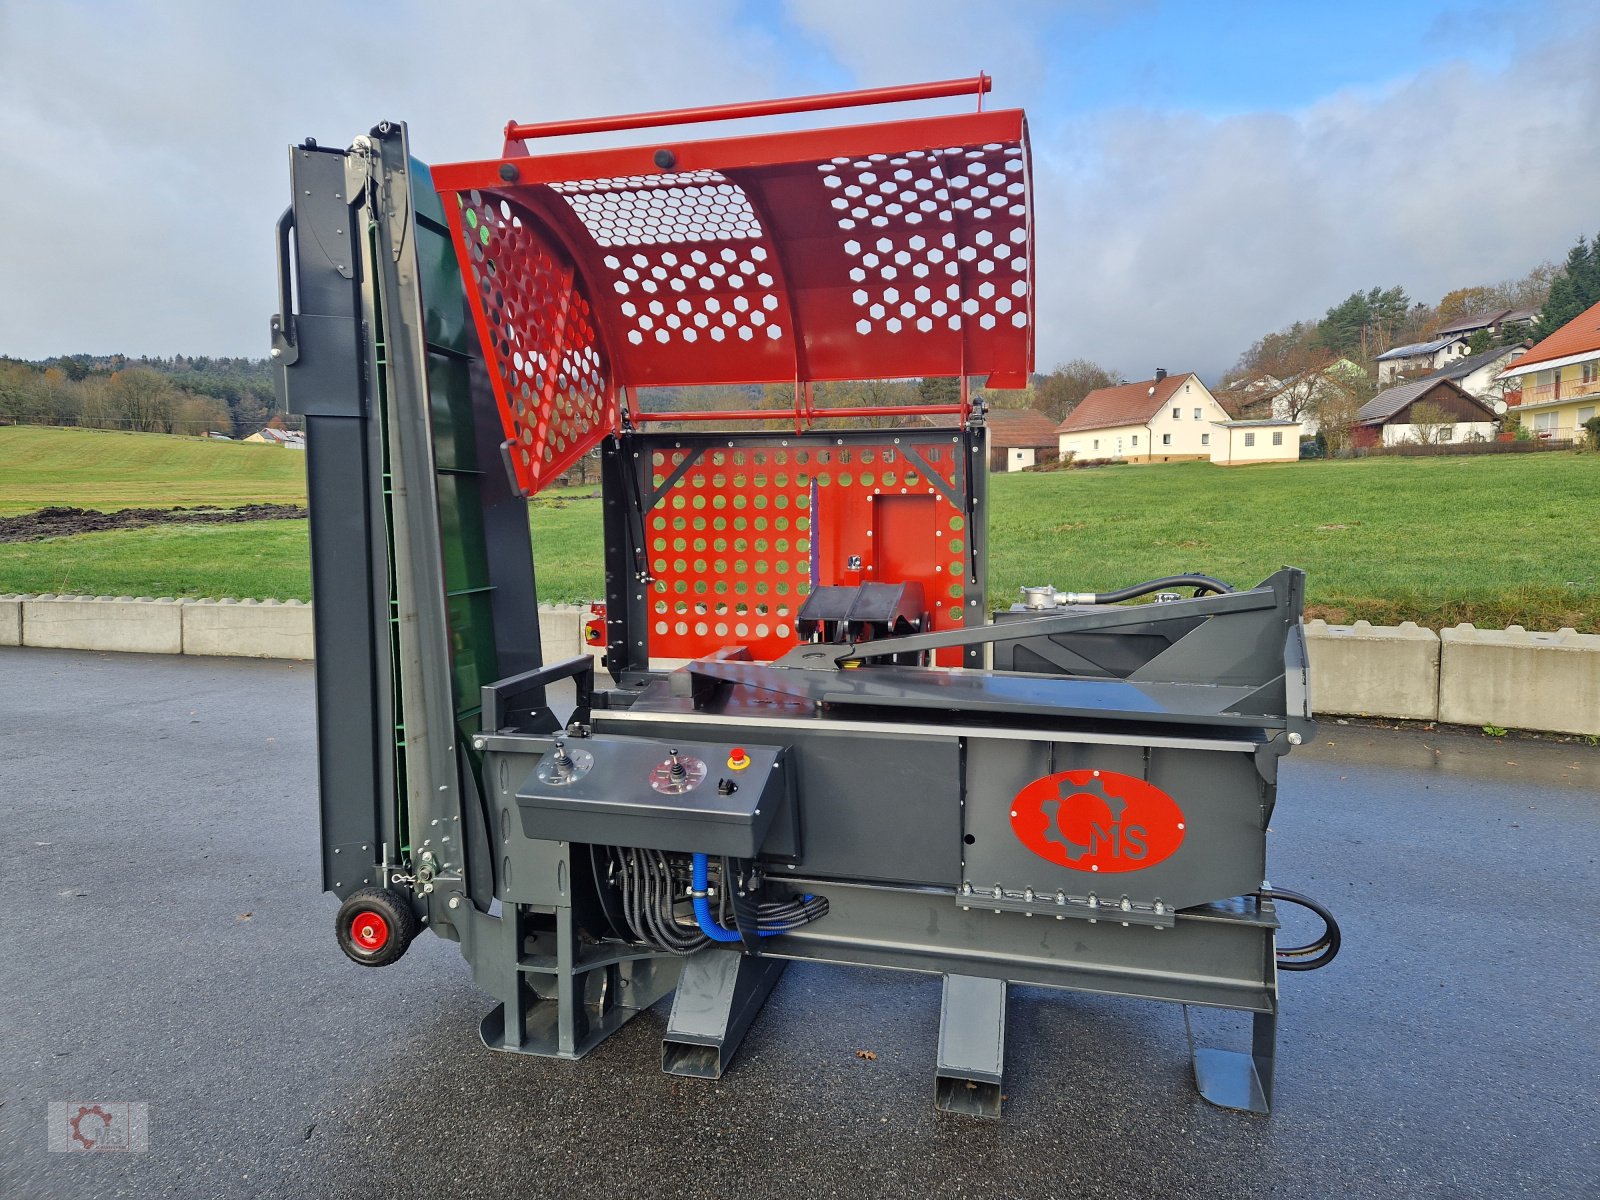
<point x="1061" y="391"/>
<point x="1429" y="421"/>
<point x="1336" y="406"/>
<point x="1303" y="368"/>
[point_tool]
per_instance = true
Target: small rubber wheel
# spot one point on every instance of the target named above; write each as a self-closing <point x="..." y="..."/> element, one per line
<point x="375" y="926"/>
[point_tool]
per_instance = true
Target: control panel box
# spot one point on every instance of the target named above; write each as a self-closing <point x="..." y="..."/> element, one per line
<point x="687" y="797"/>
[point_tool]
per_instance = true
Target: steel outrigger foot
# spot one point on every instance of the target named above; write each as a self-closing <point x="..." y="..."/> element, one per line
<point x="1234" y="1078"/>
<point x="972" y="1046"/>
<point x="719" y="994"/>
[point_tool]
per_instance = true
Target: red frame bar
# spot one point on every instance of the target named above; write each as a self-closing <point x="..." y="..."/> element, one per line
<point x="732" y="153"/>
<point x="782" y="414"/>
<point x="977" y="85"/>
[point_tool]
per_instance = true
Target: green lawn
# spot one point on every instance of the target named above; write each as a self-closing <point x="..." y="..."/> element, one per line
<point x="1493" y="539"/>
<point x="95" y="468"/>
<point x="265" y="560"/>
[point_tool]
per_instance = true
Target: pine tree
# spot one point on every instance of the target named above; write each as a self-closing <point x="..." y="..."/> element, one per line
<point x="1575" y="289"/>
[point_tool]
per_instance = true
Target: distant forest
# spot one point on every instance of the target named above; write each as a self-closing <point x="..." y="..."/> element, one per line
<point x="231" y="396"/>
<point x="234" y="396"/>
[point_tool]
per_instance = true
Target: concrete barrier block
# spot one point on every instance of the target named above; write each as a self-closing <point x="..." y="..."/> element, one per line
<point x="144" y="626"/>
<point x="1520" y="680"/>
<point x="10" y="620"/>
<point x="561" y="630"/>
<point x="248" y="629"/>
<point x="1374" y="670"/>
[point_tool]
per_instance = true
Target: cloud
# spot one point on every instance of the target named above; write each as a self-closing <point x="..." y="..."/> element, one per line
<point x="143" y="148"/>
<point x="143" y="154"/>
<point x="1175" y="240"/>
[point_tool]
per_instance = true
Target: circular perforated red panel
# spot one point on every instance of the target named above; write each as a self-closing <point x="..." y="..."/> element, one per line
<point x="687" y="263"/>
<point x="737" y="542"/>
<point x="939" y="238"/>
<point x="548" y="366"/>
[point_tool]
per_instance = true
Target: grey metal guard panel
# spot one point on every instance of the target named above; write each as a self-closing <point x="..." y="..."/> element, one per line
<point x="1038" y="695"/>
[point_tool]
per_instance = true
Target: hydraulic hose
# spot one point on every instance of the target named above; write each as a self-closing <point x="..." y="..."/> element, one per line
<point x="1200" y="583"/>
<point x="1318" y="952"/>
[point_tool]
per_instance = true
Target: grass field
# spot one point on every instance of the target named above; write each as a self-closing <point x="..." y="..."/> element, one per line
<point x="95" y="468"/>
<point x="266" y="560"/>
<point x="1494" y="539"/>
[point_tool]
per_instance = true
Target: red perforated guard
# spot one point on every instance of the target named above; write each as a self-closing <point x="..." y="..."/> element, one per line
<point x="892" y="250"/>
<point x="536" y="323"/>
<point x="739" y="536"/>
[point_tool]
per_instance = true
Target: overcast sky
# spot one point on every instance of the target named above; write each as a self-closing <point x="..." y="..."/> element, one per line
<point x="1205" y="172"/>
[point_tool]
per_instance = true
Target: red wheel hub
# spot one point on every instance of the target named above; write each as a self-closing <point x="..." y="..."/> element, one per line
<point x="369" y="931"/>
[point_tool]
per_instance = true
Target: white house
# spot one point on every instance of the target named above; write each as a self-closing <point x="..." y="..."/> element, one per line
<point x="1389" y="417"/>
<point x="1479" y="375"/>
<point x="1272" y="439"/>
<point x="1165" y="419"/>
<point x="1020" y="438"/>
<point x="1421" y="356"/>
<point x="1493" y="321"/>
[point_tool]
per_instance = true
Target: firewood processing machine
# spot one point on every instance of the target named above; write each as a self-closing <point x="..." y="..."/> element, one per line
<point x="807" y="739"/>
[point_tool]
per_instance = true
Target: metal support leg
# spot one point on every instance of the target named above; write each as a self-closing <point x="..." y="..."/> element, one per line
<point x="1232" y="1078"/>
<point x="719" y="994"/>
<point x="564" y="1009"/>
<point x="972" y="1046"/>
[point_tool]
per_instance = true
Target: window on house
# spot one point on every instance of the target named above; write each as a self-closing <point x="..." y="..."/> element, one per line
<point x="1250" y="439"/>
<point x="1447" y="433"/>
<point x="1177" y="414"/>
<point x="1166" y="439"/>
<point x="1585" y="414"/>
<point x="1591" y="371"/>
<point x="1186" y="387"/>
<point x="1197" y="414"/>
<point x="1205" y="439"/>
<point x="1097" y="443"/>
<point x="1277" y="439"/>
<point x="1136" y="439"/>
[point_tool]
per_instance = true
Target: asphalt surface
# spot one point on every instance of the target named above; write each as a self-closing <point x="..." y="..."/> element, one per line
<point x="165" y="941"/>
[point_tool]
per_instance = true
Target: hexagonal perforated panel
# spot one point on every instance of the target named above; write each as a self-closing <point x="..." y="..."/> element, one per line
<point x="547" y="363"/>
<point x="644" y="210"/>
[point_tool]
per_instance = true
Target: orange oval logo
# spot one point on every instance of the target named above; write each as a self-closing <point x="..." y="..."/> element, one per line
<point x="1100" y="821"/>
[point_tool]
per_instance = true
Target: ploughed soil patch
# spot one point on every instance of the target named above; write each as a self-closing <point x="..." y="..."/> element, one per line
<point x="63" y="522"/>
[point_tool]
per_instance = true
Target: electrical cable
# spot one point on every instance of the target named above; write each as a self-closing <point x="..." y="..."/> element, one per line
<point x="681" y="938"/>
<point x="648" y="887"/>
<point x="1318" y="952"/>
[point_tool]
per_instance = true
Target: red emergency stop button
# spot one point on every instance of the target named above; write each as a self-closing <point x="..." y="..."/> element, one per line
<point x="738" y="760"/>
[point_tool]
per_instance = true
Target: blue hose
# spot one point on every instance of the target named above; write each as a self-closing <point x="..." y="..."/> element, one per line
<point x="702" y="906"/>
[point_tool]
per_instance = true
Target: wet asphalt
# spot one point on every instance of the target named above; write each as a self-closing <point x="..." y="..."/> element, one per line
<point x="165" y="941"/>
